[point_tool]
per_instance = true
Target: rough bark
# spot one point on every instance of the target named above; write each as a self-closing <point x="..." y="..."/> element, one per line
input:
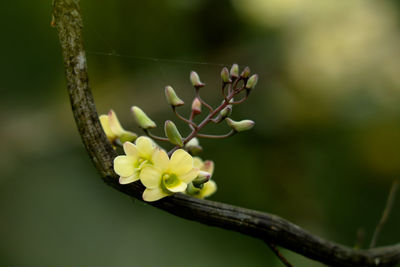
<point x="267" y="227"/>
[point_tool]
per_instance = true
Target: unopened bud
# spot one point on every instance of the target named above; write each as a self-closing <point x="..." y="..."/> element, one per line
<point x="252" y="81"/>
<point x="196" y="106"/>
<point x="114" y="123"/>
<point x="192" y="190"/>
<point x="225" y="75"/>
<point x="172" y="133"/>
<point x="245" y="73"/>
<point x="195" y="79"/>
<point x="172" y="98"/>
<point x="142" y="119"/>
<point x="240" y="126"/>
<point x="226" y="112"/>
<point x="234" y="71"/>
<point x="194" y="147"/>
<point x="208" y="166"/>
<point x="127" y="137"/>
<point x="202" y="177"/>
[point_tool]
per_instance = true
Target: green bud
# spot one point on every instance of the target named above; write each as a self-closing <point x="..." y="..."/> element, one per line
<point x="196" y="106"/>
<point x="194" y="147"/>
<point x="127" y="137"/>
<point x="252" y="81"/>
<point x="172" y="98"/>
<point x="234" y="71"/>
<point x="192" y="190"/>
<point x="245" y="73"/>
<point x="195" y="79"/>
<point x="142" y="119"/>
<point x="225" y="75"/>
<point x="226" y="112"/>
<point x="202" y="177"/>
<point x="172" y="133"/>
<point x="240" y="126"/>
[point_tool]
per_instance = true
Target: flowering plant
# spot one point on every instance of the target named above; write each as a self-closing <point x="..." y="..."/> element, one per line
<point x="178" y="170"/>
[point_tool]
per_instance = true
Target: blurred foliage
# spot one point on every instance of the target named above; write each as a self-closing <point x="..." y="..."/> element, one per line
<point x="323" y="154"/>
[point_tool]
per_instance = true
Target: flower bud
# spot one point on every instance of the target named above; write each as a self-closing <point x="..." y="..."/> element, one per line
<point x="127" y="137"/>
<point x="142" y="119"/>
<point x="240" y="126"/>
<point x="196" y="106"/>
<point x="114" y="123"/>
<point x="172" y="98"/>
<point x="208" y="166"/>
<point x="226" y="112"/>
<point x="202" y="177"/>
<point x="225" y="75"/>
<point x="245" y="73"/>
<point x="113" y="129"/>
<point x="234" y="71"/>
<point x="252" y="81"/>
<point x="195" y="79"/>
<point x="172" y="133"/>
<point x="192" y="190"/>
<point x="194" y="147"/>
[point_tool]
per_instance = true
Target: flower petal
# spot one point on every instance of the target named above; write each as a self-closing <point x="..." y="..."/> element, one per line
<point x="131" y="150"/>
<point x="181" y="162"/>
<point x="154" y="194"/>
<point x="106" y="127"/>
<point x="160" y="159"/>
<point x="124" y="166"/>
<point x="115" y="126"/>
<point x="208" y="166"/>
<point x="150" y="176"/>
<point x="208" y="189"/>
<point x="145" y="147"/>
<point x="189" y="176"/>
<point x="179" y="187"/>
<point x="129" y="179"/>
<point x="198" y="162"/>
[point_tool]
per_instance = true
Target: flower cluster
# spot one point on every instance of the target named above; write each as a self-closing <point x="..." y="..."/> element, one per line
<point x="179" y="170"/>
<point x="162" y="176"/>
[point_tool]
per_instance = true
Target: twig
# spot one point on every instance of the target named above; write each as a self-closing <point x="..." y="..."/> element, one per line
<point x="386" y="212"/>
<point x="279" y="254"/>
<point x="210" y="136"/>
<point x="155" y="137"/>
<point x="264" y="226"/>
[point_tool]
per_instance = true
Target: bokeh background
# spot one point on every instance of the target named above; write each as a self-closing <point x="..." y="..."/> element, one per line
<point x="323" y="154"/>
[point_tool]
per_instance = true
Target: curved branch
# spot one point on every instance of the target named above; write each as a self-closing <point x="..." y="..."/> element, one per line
<point x="264" y="226"/>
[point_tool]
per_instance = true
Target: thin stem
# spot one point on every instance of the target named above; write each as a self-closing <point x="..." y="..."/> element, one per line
<point x="386" y="212"/>
<point x="241" y="100"/>
<point x="223" y="90"/>
<point x="190" y="122"/>
<point x="155" y="137"/>
<point x="202" y="101"/>
<point x="279" y="254"/>
<point x="204" y="123"/>
<point x="210" y="136"/>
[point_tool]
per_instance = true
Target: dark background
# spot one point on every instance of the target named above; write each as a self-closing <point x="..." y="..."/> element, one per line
<point x="323" y="153"/>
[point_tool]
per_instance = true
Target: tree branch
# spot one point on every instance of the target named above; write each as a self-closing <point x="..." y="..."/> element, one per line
<point x="267" y="227"/>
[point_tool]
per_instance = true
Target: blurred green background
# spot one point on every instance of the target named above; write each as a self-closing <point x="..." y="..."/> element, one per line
<point x="323" y="154"/>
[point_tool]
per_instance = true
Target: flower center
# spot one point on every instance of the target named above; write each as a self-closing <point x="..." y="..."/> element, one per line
<point x="169" y="180"/>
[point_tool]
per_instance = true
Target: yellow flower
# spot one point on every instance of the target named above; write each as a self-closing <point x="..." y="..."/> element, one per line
<point x="207" y="190"/>
<point x="113" y="129"/>
<point x="128" y="167"/>
<point x="209" y="187"/>
<point x="167" y="176"/>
